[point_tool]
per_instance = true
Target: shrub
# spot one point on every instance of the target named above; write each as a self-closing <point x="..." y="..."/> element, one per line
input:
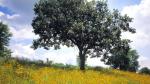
<point x="145" y="70"/>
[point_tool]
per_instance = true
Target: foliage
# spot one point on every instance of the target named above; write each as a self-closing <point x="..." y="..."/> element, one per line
<point x="4" y="40"/>
<point x="90" y="26"/>
<point x="12" y="72"/>
<point x="124" y="59"/>
<point x="60" y="65"/>
<point x="39" y="63"/>
<point x="48" y="62"/>
<point x="133" y="60"/>
<point x="119" y="58"/>
<point x="145" y="70"/>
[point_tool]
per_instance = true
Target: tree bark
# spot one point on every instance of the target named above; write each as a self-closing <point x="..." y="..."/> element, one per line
<point x="82" y="60"/>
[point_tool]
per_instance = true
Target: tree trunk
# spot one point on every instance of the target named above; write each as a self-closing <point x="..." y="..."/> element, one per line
<point x="82" y="60"/>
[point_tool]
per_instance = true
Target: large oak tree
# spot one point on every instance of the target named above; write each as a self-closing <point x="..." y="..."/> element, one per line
<point x="90" y="26"/>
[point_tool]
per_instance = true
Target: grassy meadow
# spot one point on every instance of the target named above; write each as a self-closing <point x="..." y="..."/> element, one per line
<point x="13" y="72"/>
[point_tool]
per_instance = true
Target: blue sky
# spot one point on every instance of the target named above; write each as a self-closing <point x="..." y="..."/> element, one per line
<point x="120" y="4"/>
<point x="18" y="14"/>
<point x="6" y="10"/>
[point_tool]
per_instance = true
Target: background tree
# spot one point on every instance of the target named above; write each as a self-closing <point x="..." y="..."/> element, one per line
<point x="4" y="40"/>
<point x="124" y="59"/>
<point x="145" y="70"/>
<point x="119" y="56"/>
<point x="133" y="63"/>
<point x="88" y="25"/>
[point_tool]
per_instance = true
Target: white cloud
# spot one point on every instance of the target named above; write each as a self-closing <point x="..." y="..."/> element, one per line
<point x="68" y="56"/>
<point x="1" y="2"/>
<point x="1" y="14"/>
<point x="141" y="22"/>
<point x="145" y="63"/>
<point x="139" y="40"/>
<point x="142" y="58"/>
<point x="22" y="7"/>
<point x="64" y="55"/>
<point x="8" y="18"/>
<point x="95" y="62"/>
<point x="23" y="32"/>
<point x="22" y="50"/>
<point x="13" y="16"/>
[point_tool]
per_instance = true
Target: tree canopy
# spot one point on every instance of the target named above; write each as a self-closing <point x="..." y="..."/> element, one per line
<point x="90" y="26"/>
<point x="4" y="40"/>
<point x="145" y="70"/>
<point x="124" y="59"/>
<point x="133" y="60"/>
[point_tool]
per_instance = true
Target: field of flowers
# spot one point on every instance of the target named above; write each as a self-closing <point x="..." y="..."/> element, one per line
<point x="15" y="73"/>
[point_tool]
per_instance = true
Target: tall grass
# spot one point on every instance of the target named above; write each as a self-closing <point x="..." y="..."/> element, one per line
<point x="12" y="72"/>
